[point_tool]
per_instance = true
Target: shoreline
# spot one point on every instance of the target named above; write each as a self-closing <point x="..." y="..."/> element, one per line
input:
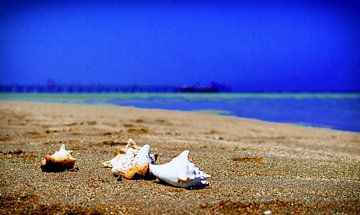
<point x="255" y="165"/>
<point x="216" y="112"/>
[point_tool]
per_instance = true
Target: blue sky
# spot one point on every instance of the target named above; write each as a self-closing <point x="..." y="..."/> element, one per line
<point x="248" y="45"/>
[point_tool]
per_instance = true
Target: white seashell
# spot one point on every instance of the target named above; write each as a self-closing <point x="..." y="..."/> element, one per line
<point x="59" y="161"/>
<point x="131" y="145"/>
<point x="134" y="162"/>
<point x="180" y="172"/>
<point x="267" y="212"/>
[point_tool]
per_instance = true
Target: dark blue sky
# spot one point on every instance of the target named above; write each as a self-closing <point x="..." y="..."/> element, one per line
<point x="249" y="45"/>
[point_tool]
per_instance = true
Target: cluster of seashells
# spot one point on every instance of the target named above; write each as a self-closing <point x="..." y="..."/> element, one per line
<point x="134" y="161"/>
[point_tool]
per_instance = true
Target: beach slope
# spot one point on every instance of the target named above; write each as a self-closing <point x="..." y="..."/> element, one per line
<point x="255" y="166"/>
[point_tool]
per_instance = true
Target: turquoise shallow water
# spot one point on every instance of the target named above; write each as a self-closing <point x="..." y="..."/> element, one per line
<point x="336" y="111"/>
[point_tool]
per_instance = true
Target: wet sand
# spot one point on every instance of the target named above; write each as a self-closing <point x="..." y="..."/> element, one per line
<point x="255" y="166"/>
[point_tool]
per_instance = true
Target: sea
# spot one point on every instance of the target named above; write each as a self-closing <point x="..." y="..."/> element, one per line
<point x="339" y="111"/>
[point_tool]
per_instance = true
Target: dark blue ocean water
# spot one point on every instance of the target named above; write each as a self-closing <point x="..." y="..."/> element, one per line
<point x="336" y="111"/>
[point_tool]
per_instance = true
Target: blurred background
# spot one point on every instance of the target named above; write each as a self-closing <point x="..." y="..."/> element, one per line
<point x="256" y="45"/>
<point x="196" y="46"/>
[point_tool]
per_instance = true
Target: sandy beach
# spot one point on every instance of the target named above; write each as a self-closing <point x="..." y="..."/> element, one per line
<point x="255" y="166"/>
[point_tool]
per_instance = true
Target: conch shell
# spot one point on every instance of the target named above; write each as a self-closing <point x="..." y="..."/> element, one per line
<point x="180" y="172"/>
<point x="59" y="161"/>
<point x="134" y="162"/>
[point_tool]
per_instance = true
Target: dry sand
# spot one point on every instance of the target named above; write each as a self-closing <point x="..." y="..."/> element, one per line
<point x="255" y="166"/>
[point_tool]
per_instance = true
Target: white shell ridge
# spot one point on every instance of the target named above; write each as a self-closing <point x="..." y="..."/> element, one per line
<point x="180" y="172"/>
<point x="62" y="154"/>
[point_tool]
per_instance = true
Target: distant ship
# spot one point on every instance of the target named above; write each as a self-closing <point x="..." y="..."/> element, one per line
<point x="211" y="88"/>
